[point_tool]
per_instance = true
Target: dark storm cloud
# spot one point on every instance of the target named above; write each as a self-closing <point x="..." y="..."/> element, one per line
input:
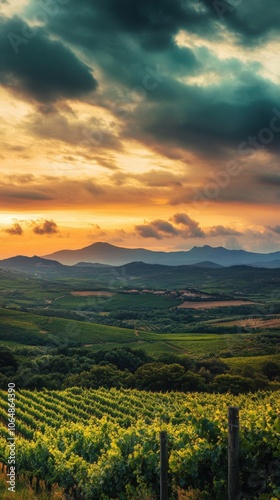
<point x="252" y="21"/>
<point x="152" y="23"/>
<point x="132" y="46"/>
<point x="269" y="179"/>
<point x="40" y="67"/>
<point x="210" y="120"/>
<point x="125" y="38"/>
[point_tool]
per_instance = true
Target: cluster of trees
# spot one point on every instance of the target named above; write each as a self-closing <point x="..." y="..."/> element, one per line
<point x="148" y="318"/>
<point x="268" y="339"/>
<point x="123" y="367"/>
<point x="168" y="321"/>
<point x="177" y="320"/>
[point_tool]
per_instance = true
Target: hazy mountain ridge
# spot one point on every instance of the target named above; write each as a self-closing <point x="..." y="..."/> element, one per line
<point x="21" y="262"/>
<point x="102" y="256"/>
<point x="104" y="253"/>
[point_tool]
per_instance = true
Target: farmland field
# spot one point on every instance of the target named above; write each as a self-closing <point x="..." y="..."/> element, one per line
<point x="216" y="303"/>
<point x="265" y="322"/>
<point x="104" y="444"/>
<point x="35" y="330"/>
<point x="255" y="362"/>
<point x="83" y="356"/>
<point x="96" y="293"/>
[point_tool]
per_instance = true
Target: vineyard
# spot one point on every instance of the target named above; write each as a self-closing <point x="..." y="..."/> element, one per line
<point x="104" y="444"/>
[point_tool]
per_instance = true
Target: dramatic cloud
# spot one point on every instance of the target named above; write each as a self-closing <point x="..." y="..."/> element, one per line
<point x="116" y="110"/>
<point x="44" y="191"/>
<point x="151" y="23"/>
<point x="15" y="230"/>
<point x="222" y="231"/>
<point x="253" y="24"/>
<point x="148" y="231"/>
<point x="191" y="227"/>
<point x="184" y="227"/>
<point x="157" y="229"/>
<point x="40" y="67"/>
<point x="271" y="180"/>
<point x="163" y="229"/>
<point x="45" y="227"/>
<point x="141" y="57"/>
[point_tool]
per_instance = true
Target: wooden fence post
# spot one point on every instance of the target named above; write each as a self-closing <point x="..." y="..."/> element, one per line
<point x="163" y="466"/>
<point x="233" y="453"/>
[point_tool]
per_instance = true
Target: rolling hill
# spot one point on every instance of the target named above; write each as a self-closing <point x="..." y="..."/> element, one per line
<point x="22" y="263"/>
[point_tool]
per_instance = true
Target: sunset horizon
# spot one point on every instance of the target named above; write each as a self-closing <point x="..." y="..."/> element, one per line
<point x="157" y="131"/>
<point x="121" y="246"/>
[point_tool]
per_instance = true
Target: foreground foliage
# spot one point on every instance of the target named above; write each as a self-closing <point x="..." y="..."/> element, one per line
<point x="122" y="367"/>
<point x="104" y="444"/>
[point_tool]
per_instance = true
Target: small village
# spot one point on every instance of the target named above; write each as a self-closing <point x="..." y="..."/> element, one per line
<point x="183" y="294"/>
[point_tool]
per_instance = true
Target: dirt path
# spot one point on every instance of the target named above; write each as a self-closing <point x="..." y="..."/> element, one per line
<point x="61" y="297"/>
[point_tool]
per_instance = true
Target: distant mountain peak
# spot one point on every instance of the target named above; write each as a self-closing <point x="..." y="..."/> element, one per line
<point x="101" y="244"/>
<point x="106" y="253"/>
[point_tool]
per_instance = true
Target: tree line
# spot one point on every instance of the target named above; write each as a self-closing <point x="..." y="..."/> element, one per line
<point x="122" y="367"/>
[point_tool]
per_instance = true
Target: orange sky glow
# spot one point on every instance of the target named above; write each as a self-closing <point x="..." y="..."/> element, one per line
<point x="159" y="136"/>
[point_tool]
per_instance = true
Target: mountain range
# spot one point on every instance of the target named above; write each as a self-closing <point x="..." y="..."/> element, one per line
<point x="104" y="253"/>
<point x="94" y="258"/>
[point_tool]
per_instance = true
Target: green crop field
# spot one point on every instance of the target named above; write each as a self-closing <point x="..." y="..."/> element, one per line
<point x="255" y="362"/>
<point x="211" y="344"/>
<point x="32" y="329"/>
<point x="39" y="330"/>
<point x="104" y="444"/>
<point x="117" y="301"/>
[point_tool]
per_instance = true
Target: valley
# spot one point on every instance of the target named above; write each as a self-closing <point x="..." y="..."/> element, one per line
<point x="123" y="351"/>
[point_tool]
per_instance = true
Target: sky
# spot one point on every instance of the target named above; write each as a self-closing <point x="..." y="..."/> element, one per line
<point x="150" y="124"/>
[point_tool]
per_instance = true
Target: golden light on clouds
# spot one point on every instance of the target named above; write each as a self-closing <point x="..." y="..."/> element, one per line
<point x="10" y="8"/>
<point x="265" y="57"/>
<point x="105" y="130"/>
